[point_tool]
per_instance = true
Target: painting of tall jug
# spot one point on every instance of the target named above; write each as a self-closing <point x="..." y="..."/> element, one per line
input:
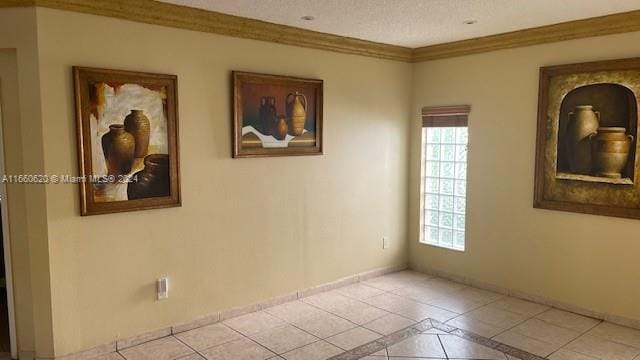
<point x="137" y="124"/>
<point x="268" y="115"/>
<point x="583" y="122"/>
<point x="296" y="112"/>
<point x="610" y="147"/>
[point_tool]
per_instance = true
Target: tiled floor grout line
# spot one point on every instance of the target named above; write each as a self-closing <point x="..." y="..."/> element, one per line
<point x="448" y="293"/>
<point x="405" y="298"/>
<point x="257" y="343"/>
<point x="221" y="323"/>
<point x="254" y="341"/>
<point x="487" y="342"/>
<point x="294" y="349"/>
<point x="442" y="346"/>
<point x="450" y="330"/>
<point x="580" y="334"/>
<point x="194" y="350"/>
<point x="611" y="340"/>
<point x="487" y="304"/>
<point x="360" y="301"/>
<point x="600" y="321"/>
<point x="525" y="320"/>
<point x="515" y="326"/>
<point x="542" y="341"/>
<point x="343" y="318"/>
<point x="616" y="342"/>
<point x="286" y="323"/>
<point x="381" y="343"/>
<point x="319" y="338"/>
<point x="250" y="339"/>
<point x="577" y="352"/>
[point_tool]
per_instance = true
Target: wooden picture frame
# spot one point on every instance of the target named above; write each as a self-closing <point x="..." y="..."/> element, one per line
<point x="127" y="139"/>
<point x="579" y="169"/>
<point x="276" y="115"/>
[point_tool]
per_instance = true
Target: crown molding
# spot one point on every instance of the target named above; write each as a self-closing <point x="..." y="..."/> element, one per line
<point x="183" y="17"/>
<point x="598" y="26"/>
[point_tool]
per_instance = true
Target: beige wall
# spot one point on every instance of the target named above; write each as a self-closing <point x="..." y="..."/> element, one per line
<point x="583" y="260"/>
<point x="22" y="136"/>
<point x="249" y="229"/>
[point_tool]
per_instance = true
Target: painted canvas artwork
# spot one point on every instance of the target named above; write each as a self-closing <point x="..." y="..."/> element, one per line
<point x="597" y="125"/>
<point x="276" y="115"/>
<point x="587" y="138"/>
<point x="127" y="127"/>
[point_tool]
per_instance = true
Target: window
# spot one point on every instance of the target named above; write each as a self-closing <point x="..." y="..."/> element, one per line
<point x="444" y="176"/>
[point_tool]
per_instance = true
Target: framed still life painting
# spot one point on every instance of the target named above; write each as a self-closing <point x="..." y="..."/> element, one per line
<point x="127" y="129"/>
<point x="276" y="115"/>
<point x="587" y="149"/>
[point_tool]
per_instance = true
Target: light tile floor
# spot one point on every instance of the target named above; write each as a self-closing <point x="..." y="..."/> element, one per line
<point x="328" y="324"/>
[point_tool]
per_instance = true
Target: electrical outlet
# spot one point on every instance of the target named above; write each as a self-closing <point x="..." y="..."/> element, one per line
<point x="385" y="242"/>
<point x="163" y="288"/>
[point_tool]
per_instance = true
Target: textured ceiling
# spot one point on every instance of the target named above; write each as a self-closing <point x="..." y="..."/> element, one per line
<point x="415" y="23"/>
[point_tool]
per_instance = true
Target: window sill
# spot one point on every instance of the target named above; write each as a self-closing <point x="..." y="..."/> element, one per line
<point x="458" y="250"/>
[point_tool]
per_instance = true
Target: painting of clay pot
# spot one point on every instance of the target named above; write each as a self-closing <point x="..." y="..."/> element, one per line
<point x="610" y="148"/>
<point x="118" y="147"/>
<point x="282" y="128"/>
<point x="153" y="180"/>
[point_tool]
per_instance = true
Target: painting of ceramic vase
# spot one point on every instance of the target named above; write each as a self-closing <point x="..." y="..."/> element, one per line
<point x="297" y="112"/>
<point x="153" y="180"/>
<point x="137" y="124"/>
<point x="583" y="122"/>
<point x="118" y="146"/>
<point x="610" y="149"/>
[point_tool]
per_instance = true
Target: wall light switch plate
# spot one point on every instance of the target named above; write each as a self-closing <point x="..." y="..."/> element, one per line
<point x="385" y="242"/>
<point x="163" y="288"/>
